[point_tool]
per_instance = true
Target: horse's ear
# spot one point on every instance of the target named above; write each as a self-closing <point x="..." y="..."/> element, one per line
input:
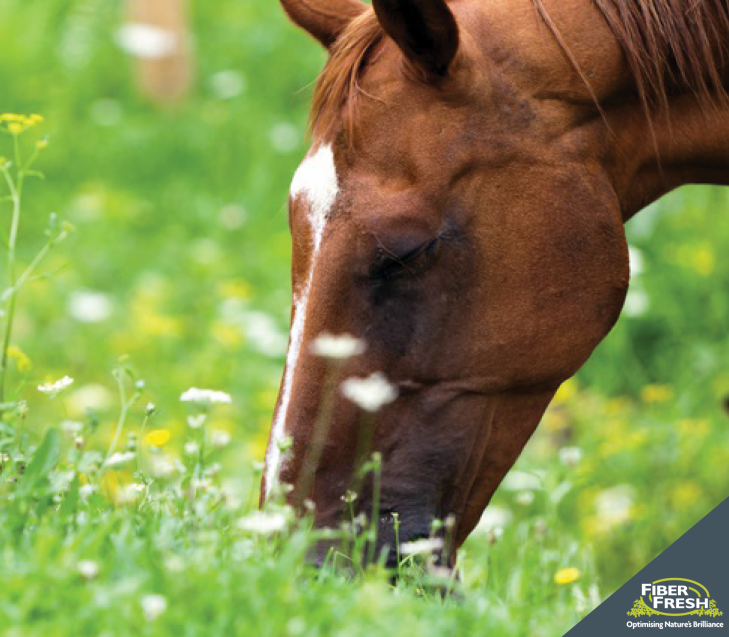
<point x="324" y="19"/>
<point x="425" y="31"/>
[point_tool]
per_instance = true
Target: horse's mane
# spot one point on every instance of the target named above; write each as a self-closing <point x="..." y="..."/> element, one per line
<point x="669" y="45"/>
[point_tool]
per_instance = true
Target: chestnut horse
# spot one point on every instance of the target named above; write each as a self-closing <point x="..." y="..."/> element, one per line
<point x="461" y="212"/>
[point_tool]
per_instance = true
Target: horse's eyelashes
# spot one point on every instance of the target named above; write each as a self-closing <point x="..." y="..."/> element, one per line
<point x="390" y="266"/>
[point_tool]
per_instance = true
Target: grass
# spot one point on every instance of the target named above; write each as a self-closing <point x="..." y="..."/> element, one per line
<point x="177" y="274"/>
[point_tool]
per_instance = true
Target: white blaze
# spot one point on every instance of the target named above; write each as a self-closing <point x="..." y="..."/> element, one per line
<point x="316" y="180"/>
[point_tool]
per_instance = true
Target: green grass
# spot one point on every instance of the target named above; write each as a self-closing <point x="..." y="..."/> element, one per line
<point x="180" y="230"/>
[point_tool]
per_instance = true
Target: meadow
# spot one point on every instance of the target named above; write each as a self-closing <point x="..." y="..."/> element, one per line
<point x="126" y="510"/>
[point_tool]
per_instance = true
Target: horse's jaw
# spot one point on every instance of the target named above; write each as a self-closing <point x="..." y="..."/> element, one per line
<point x="432" y="485"/>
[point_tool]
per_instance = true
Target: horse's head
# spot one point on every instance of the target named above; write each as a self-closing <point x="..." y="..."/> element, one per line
<point x="457" y="219"/>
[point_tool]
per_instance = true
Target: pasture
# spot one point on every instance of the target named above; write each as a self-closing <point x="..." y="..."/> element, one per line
<point x="124" y="510"/>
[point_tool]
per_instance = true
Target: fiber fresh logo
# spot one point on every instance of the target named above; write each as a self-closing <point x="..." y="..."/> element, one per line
<point x="674" y="596"/>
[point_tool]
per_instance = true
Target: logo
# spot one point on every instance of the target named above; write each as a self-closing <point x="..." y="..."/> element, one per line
<point x="674" y="596"/>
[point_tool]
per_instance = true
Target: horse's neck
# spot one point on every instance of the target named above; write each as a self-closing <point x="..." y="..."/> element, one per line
<point x="539" y="54"/>
<point x="687" y="143"/>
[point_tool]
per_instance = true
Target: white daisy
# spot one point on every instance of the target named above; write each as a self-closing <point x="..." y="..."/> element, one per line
<point x="220" y="438"/>
<point x="153" y="606"/>
<point x="371" y="393"/>
<point x="119" y="458"/>
<point x="339" y="347"/>
<point x="263" y="523"/>
<point x="426" y="545"/>
<point x="88" y="569"/>
<point x="53" y="389"/>
<point x="204" y="396"/>
<point x="570" y="456"/>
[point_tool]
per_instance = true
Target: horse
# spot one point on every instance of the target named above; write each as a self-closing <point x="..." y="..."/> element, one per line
<point x="460" y="214"/>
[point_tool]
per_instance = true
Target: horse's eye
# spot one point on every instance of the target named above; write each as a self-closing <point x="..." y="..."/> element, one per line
<point x="390" y="266"/>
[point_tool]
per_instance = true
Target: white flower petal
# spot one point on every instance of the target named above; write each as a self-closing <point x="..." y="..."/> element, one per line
<point x="88" y="569"/>
<point x="205" y="396"/>
<point x="637" y="262"/>
<point x="153" y="606"/>
<point x="220" y="438"/>
<point x="493" y="519"/>
<point x="263" y="523"/>
<point x="614" y="506"/>
<point x="570" y="456"/>
<point x="427" y="545"/>
<point x="119" y="458"/>
<point x="637" y="302"/>
<point x="521" y="481"/>
<point x="89" y="306"/>
<point x="339" y="347"/>
<point x="371" y="393"/>
<point x="55" y="387"/>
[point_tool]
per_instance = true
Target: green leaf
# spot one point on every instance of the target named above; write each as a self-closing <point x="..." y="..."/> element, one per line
<point x="70" y="501"/>
<point x="45" y="458"/>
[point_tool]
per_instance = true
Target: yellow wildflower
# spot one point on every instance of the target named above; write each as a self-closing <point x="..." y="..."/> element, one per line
<point x="157" y="437"/>
<point x="256" y="444"/>
<point x="227" y="335"/>
<point x="151" y="323"/>
<point x="685" y="494"/>
<point x="656" y="393"/>
<point x="16" y="124"/>
<point x="617" y="406"/>
<point x="235" y="288"/>
<point x="555" y="419"/>
<point x="694" y="427"/>
<point x="566" y="575"/>
<point x="567" y="391"/>
<point x="585" y="468"/>
<point x="637" y="438"/>
<point x="703" y="261"/>
<point x="266" y="399"/>
<point x="21" y="358"/>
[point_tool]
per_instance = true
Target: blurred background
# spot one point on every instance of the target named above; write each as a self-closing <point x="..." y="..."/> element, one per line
<point x="175" y="175"/>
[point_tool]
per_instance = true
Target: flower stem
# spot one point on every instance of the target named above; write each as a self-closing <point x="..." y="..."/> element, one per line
<point x="15" y="195"/>
<point x="122" y="415"/>
<point x="317" y="442"/>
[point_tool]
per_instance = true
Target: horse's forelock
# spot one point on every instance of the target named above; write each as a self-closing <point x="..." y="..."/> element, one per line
<point x="337" y="89"/>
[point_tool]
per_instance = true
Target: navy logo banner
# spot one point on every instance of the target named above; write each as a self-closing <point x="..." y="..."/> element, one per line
<point x="685" y="589"/>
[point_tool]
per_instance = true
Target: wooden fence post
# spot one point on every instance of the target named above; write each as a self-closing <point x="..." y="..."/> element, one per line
<point x="156" y="34"/>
